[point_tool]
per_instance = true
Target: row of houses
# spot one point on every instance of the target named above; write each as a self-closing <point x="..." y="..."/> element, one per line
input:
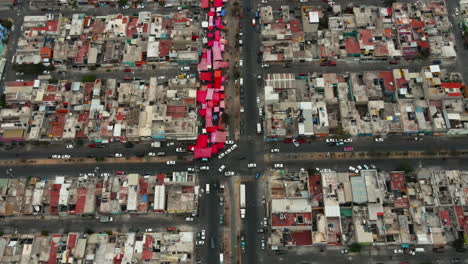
<point x="369" y="207"/>
<point x="400" y="101"/>
<point x="101" y="111"/>
<point x="407" y="30"/>
<point x="153" y="247"/>
<point x="108" y="41"/>
<point x="105" y="194"/>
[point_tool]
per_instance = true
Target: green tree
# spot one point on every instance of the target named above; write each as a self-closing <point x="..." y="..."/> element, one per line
<point x="406" y="167"/>
<point x="7" y="23"/>
<point x="2" y="101"/>
<point x="123" y="2"/>
<point x="355" y="247"/>
<point x="89" y="78"/>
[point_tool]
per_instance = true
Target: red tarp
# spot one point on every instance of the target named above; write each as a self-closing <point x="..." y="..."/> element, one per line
<point x="206" y="76"/>
<point x="204" y="4"/>
<point x="202" y="141"/>
<point x="214" y="149"/>
<point x="202" y="112"/>
<point x="202" y="153"/>
<point x="211" y="129"/>
<point x="201" y="96"/>
<point x="218" y="3"/>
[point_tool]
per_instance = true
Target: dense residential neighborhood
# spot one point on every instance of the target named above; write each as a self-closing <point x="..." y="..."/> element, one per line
<point x="233" y="131"/>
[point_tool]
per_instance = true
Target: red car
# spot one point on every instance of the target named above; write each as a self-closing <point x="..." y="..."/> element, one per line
<point x="120" y="172"/>
<point x="287" y="140"/>
<point x="328" y="63"/>
<point x="302" y="74"/>
<point x="171" y="228"/>
<point x="127" y="78"/>
<point x="301" y="140"/>
<point x="127" y="70"/>
<point x="393" y="62"/>
<point x="348" y="149"/>
<point x="92" y="146"/>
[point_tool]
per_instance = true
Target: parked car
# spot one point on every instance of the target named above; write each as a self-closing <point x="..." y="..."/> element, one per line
<point x="351" y="168"/>
<point x="257" y="175"/>
<point x="222" y="168"/>
<point x="170" y="162"/>
<point x="203" y="234"/>
<point x="278" y="165"/>
<point x="199" y="242"/>
<point x="118" y="155"/>
<point x="66" y="156"/>
<point x="251" y="165"/>
<point x="191" y="169"/>
<point x="274" y="150"/>
<point x="220" y="156"/>
<point x="180" y="150"/>
<point x="348" y="149"/>
<point x="229" y="173"/>
<point x="378" y="139"/>
<point x="230" y="142"/>
<point x="55" y="156"/>
<point x="295" y="142"/>
<point x="254" y="22"/>
<point x="69" y="146"/>
<point x="204" y="168"/>
<point x="328" y="63"/>
<point x="106" y="219"/>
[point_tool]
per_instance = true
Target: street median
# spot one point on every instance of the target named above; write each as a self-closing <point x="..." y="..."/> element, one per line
<point x="443" y="154"/>
<point x="23" y="162"/>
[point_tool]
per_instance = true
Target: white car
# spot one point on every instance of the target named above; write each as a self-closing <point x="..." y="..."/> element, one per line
<point x="229" y="173"/>
<point x="365" y="166"/>
<point x="344" y="251"/>
<point x="296" y="144"/>
<point x="233" y="147"/>
<point x="359" y="167"/>
<point x="125" y="7"/>
<point x="180" y="150"/>
<point x="240" y="63"/>
<point x="348" y="140"/>
<point x="230" y="142"/>
<point x="351" y="168"/>
<point x="222" y="168"/>
<point x="69" y="146"/>
<point x="91" y="174"/>
<point x="260" y="111"/>
<point x="191" y="169"/>
<point x="251" y="165"/>
<point x="378" y="139"/>
<point x="221" y="156"/>
<point x="204" y="168"/>
<point x="46" y="72"/>
<point x="105" y="174"/>
<point x="258" y="100"/>
<point x="185" y="68"/>
<point x="330" y="140"/>
<point x="118" y="155"/>
<point x="274" y="150"/>
<point x="228" y="151"/>
<point x="278" y="165"/>
<point x="373" y="166"/>
<point x="66" y="156"/>
<point x="170" y="144"/>
<point x="199" y="242"/>
<point x="152" y="154"/>
<point x="203" y="234"/>
<point x="189" y="219"/>
<point x="264" y="1"/>
<point x="265" y="65"/>
<point x="456" y="11"/>
<point x="170" y="162"/>
<point x="265" y="221"/>
<point x="398" y="251"/>
<point x="55" y="156"/>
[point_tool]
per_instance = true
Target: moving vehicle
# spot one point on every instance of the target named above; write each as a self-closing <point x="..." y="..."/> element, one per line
<point x="155" y="144"/>
<point x="170" y="162"/>
<point x="204" y="168"/>
<point x="278" y="165"/>
<point x="118" y="155"/>
<point x="242" y="201"/>
<point x="274" y="150"/>
<point x="229" y="173"/>
<point x="222" y="168"/>
<point x="251" y="165"/>
<point x="259" y="128"/>
<point x="106" y="219"/>
<point x="348" y="149"/>
<point x="207" y="188"/>
<point x="295" y="142"/>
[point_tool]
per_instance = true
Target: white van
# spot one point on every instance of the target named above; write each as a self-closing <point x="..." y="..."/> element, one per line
<point x="419" y="249"/>
<point x="207" y="188"/>
<point x="241" y="82"/>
